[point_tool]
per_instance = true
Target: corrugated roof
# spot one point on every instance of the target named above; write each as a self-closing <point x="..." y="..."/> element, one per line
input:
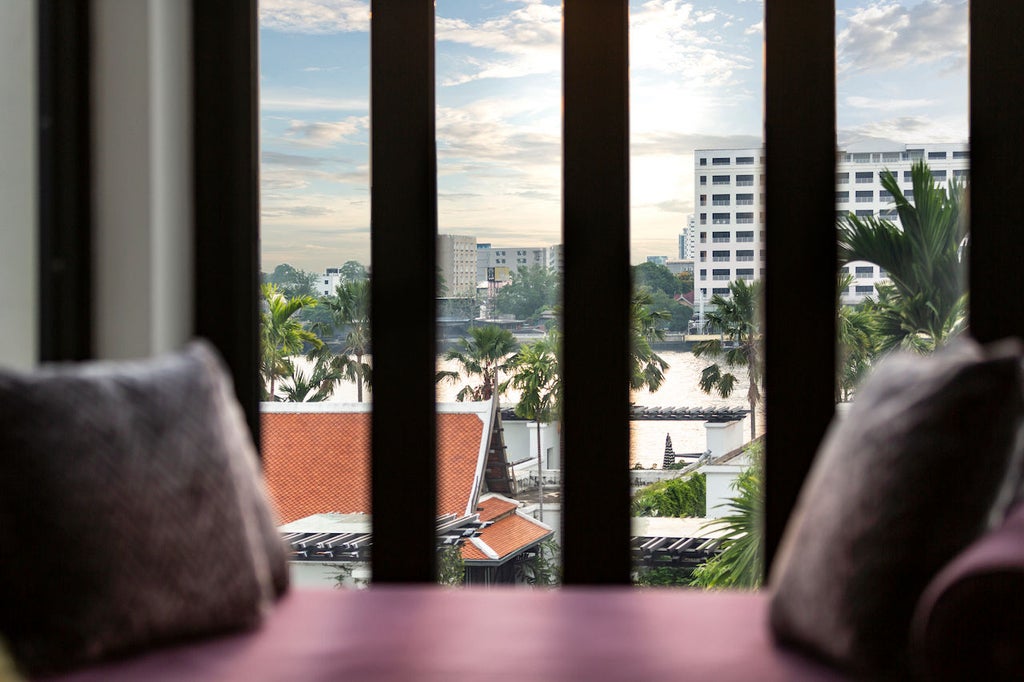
<point x="316" y="458"/>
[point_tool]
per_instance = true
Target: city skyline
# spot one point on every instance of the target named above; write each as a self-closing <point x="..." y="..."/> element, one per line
<point x="696" y="81"/>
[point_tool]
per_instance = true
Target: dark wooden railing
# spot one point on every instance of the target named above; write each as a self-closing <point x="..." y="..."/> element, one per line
<point x="800" y="146"/>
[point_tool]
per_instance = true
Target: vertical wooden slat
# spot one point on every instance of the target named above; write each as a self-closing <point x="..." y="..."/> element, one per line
<point x="65" y="185"/>
<point x="996" y="277"/>
<point x="597" y="291"/>
<point x="226" y="186"/>
<point x="800" y="299"/>
<point x="403" y="218"/>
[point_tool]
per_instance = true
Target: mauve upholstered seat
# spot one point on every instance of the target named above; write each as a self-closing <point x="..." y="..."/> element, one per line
<point x="426" y="633"/>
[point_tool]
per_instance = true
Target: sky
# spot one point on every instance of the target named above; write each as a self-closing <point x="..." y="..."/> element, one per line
<point x="696" y="80"/>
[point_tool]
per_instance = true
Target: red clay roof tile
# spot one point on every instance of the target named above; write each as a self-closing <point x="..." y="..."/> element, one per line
<point x="317" y="462"/>
<point x="506" y="536"/>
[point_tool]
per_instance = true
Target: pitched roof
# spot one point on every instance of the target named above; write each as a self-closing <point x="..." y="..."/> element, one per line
<point x="316" y="457"/>
<point x="510" y="533"/>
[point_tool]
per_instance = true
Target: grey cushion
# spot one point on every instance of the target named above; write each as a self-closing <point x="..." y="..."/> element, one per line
<point x="902" y="484"/>
<point x="131" y="509"/>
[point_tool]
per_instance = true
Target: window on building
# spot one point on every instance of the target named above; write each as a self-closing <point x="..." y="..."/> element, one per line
<point x="863" y="177"/>
<point x="719" y="256"/>
<point x="884" y="195"/>
<point x="744" y="160"/>
<point x="865" y="271"/>
<point x="745" y="255"/>
<point x="703" y="161"/>
<point x="720" y="218"/>
<point x="865" y="196"/>
<point x="933" y="156"/>
<point x="961" y="174"/>
<point x="864" y="289"/>
<point x="939" y="175"/>
<point x="744" y="218"/>
<point x="744" y="180"/>
<point x="720" y="161"/>
<point x="745" y="236"/>
<point x="865" y="213"/>
<point x="703" y="199"/>
<point x="744" y="199"/>
<point x="842" y="178"/>
<point x="703" y="180"/>
<point x="703" y="271"/>
<point x="719" y="199"/>
<point x="720" y="179"/>
<point x="961" y="155"/>
<point x="908" y="176"/>
<point x="842" y="197"/>
<point x="746" y="274"/>
<point x="719" y="237"/>
<point x="703" y="237"/>
<point x="720" y="274"/>
<point x="721" y="291"/>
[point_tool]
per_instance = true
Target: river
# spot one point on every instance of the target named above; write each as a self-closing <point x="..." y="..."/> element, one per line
<point x="647" y="438"/>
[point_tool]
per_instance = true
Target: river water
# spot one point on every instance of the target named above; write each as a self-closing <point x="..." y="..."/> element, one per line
<point x="647" y="438"/>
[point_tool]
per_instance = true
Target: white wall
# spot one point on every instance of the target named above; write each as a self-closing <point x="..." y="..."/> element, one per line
<point x="142" y="171"/>
<point x="724" y="437"/>
<point x="18" y="217"/>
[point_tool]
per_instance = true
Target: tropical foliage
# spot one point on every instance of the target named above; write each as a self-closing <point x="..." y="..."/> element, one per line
<point x="451" y="567"/>
<point x="541" y="569"/>
<point x="741" y="561"/>
<point x="736" y="318"/>
<point x="857" y="343"/>
<point x="350" y="310"/>
<point x="313" y="386"/>
<point x="281" y="335"/>
<point x="677" y="497"/>
<point x="482" y="355"/>
<point x="529" y="292"/>
<point x="925" y="303"/>
<point x="647" y="368"/>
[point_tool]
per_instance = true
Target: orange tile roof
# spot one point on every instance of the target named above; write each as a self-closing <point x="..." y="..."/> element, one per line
<point x="506" y="536"/>
<point x="319" y="461"/>
<point x="493" y="507"/>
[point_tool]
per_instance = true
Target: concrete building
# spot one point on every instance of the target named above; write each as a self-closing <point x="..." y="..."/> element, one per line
<point x="457" y="260"/>
<point x="505" y="260"/>
<point x="729" y="198"/>
<point x="688" y="239"/>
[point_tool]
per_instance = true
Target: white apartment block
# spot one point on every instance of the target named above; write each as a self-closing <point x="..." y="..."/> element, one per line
<point x="688" y="239"/>
<point x="505" y="260"/>
<point x="328" y="282"/>
<point x="729" y="200"/>
<point x="456" y="259"/>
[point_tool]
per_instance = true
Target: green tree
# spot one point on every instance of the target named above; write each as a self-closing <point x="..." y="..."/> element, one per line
<point x="656" y="278"/>
<point x="529" y="292"/>
<point x="451" y="567"/>
<point x="281" y="334"/>
<point x="484" y="354"/>
<point x="677" y="497"/>
<point x="350" y="310"/>
<point x="353" y="271"/>
<point x="316" y="386"/>
<point x="925" y="303"/>
<point x="541" y="568"/>
<point x="736" y="318"/>
<point x="292" y="282"/>
<point x="678" y="315"/>
<point x="857" y="346"/>
<point x="535" y="373"/>
<point x="647" y="368"/>
<point x="741" y="561"/>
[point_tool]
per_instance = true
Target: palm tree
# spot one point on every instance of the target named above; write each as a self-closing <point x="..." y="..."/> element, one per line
<point x="350" y="306"/>
<point x="315" y="387"/>
<point x="741" y="561"/>
<point x="535" y="373"/>
<point x="647" y="367"/>
<point x="484" y="353"/>
<point x="925" y="305"/>
<point x="736" y="318"/>
<point x="856" y="334"/>
<point x="281" y="334"/>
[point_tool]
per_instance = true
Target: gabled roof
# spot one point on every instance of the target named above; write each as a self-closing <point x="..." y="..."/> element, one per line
<point x="510" y="533"/>
<point x="316" y="457"/>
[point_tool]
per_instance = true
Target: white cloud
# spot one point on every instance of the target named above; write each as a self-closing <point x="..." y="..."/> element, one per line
<point x="904" y="130"/>
<point x="326" y="133"/>
<point x="755" y="29"/>
<point x="281" y="100"/>
<point x="890" y="35"/>
<point x="315" y="16"/>
<point x="526" y="41"/>
<point x="887" y="104"/>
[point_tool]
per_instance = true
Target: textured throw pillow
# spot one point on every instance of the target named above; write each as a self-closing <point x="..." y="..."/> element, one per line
<point x="900" y="485"/>
<point x="969" y="624"/>
<point x="131" y="509"/>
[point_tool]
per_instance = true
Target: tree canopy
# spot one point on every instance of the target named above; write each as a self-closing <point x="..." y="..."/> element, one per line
<point x="656" y="277"/>
<point x="530" y="291"/>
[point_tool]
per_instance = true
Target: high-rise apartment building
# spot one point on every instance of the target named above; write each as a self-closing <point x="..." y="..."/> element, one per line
<point x="456" y="259"/>
<point x="504" y="260"/>
<point x="688" y="239"/>
<point x="729" y="200"/>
